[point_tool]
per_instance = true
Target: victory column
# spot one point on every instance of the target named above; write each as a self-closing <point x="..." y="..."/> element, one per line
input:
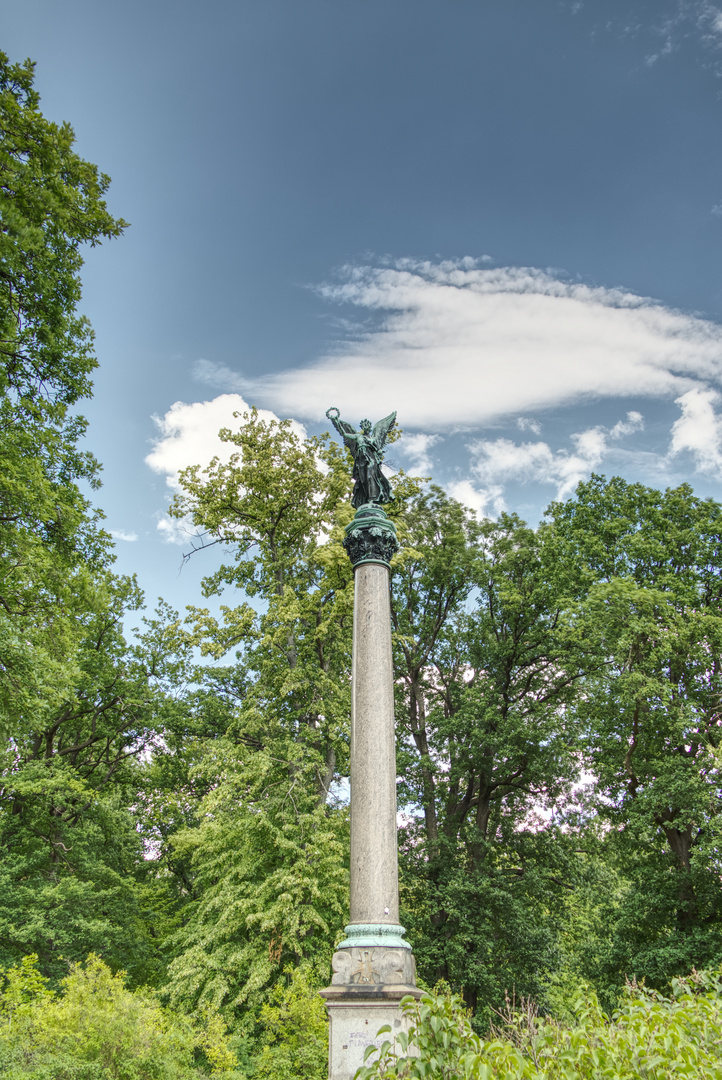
<point x="373" y="967"/>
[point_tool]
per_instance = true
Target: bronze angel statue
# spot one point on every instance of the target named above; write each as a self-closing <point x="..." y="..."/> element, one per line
<point x="366" y="446"/>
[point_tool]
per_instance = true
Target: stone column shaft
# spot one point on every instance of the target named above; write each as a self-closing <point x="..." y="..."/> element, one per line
<point x="374" y="861"/>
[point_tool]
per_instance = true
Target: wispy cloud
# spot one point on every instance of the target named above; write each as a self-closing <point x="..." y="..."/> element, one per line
<point x="121" y="534"/>
<point x="708" y="19"/>
<point x="219" y="376"/>
<point x="668" y="26"/>
<point x="496" y="462"/>
<point x="416" y="449"/>
<point x="457" y="344"/>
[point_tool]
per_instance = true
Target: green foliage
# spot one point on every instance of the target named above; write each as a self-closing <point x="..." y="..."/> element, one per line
<point x="486" y="668"/>
<point x="73" y="875"/>
<point x="650" y="583"/>
<point x="78" y="704"/>
<point x="272" y="890"/>
<point x="51" y="203"/>
<point x="275" y="502"/>
<point x="265" y="854"/>
<point x="97" y="1029"/>
<point x="649" y="1036"/>
<point x="295" y="1031"/>
<point x="156" y="809"/>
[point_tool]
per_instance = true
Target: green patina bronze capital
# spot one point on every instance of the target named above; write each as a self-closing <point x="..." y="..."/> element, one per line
<point x="374" y="936"/>
<point x="371" y="537"/>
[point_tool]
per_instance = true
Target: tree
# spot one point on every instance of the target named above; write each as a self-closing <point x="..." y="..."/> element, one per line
<point x="271" y="887"/>
<point x="78" y="704"/>
<point x="650" y="714"/>
<point x="51" y="203"/>
<point x="295" y="1025"/>
<point x="272" y="503"/>
<point x="486" y="669"/>
<point x="73" y="860"/>
<point x="267" y="854"/>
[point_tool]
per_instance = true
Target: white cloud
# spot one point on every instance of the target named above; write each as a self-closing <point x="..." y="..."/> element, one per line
<point x="699" y="429"/>
<point x="634" y="422"/>
<point x="188" y="435"/>
<point x="416" y="448"/>
<point x="500" y="460"/>
<point x="177" y="530"/>
<point x="524" y="423"/>
<point x="461" y="345"/>
<point x="487" y="502"/>
<point x="121" y="534"/>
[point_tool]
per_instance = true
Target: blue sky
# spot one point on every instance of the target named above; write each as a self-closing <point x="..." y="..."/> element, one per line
<point x="502" y="218"/>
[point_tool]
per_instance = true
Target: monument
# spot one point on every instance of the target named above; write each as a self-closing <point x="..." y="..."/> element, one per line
<point x="373" y="967"/>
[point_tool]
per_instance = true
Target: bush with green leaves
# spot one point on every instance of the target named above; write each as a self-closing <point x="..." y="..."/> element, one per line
<point x="651" y="1036"/>
<point x="295" y="1026"/>
<point x="95" y="1028"/>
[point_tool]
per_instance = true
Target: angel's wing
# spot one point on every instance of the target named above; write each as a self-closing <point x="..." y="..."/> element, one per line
<point x="381" y="430"/>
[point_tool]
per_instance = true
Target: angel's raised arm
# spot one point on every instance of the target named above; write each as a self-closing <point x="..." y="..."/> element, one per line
<point x="342" y="427"/>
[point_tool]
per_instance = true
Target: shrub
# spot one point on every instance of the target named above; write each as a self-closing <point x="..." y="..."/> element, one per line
<point x="651" y="1036"/>
<point x="295" y="1032"/>
<point x="97" y="1029"/>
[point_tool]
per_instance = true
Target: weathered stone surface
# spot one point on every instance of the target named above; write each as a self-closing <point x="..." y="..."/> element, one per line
<point x="382" y="966"/>
<point x="374" y="860"/>
<point x="354" y="1020"/>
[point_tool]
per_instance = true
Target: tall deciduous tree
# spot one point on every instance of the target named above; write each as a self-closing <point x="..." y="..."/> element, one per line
<point x="267" y="854"/>
<point x="51" y="203"/>
<point x="73" y="867"/>
<point x="274" y="504"/>
<point x="79" y="706"/>
<point x="652" y="714"/>
<point x="486" y="668"/>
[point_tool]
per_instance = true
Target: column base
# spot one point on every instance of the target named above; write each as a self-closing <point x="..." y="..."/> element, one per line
<point x="366" y="988"/>
<point x="355" y="1014"/>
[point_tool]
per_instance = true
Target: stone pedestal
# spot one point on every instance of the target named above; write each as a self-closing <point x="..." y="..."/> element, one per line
<point x="373" y="967"/>
<point x="354" y="1019"/>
